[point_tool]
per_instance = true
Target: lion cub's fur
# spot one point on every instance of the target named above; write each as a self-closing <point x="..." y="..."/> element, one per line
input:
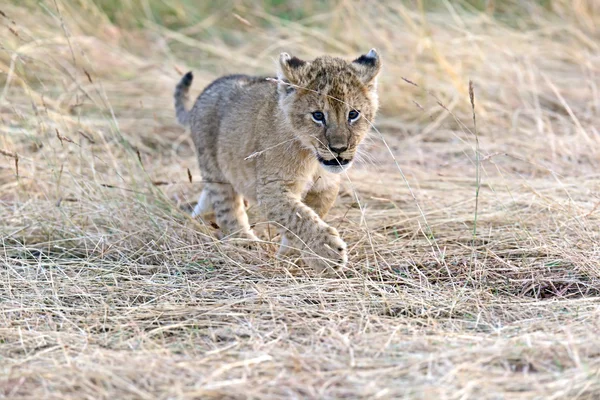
<point x="258" y="139"/>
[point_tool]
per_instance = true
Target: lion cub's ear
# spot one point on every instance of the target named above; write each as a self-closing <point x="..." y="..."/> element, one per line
<point x="291" y="70"/>
<point x="367" y="68"/>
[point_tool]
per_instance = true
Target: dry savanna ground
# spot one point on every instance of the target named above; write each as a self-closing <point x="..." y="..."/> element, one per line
<point x="474" y="252"/>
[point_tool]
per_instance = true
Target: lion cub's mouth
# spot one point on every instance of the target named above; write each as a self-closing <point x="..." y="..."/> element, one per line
<point x="334" y="161"/>
<point x="335" y="165"/>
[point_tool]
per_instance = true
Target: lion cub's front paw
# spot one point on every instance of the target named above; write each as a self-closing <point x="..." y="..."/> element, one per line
<point x="329" y="251"/>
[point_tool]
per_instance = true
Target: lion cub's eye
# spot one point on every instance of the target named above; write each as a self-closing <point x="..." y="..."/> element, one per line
<point x="353" y="115"/>
<point x="318" y="117"/>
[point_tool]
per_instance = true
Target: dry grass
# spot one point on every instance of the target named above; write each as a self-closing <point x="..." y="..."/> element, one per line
<point x="108" y="289"/>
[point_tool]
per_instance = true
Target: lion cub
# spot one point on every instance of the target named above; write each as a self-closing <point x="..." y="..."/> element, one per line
<point x="282" y="143"/>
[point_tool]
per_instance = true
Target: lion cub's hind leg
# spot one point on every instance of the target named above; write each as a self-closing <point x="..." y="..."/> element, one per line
<point x="230" y="212"/>
<point x="204" y="206"/>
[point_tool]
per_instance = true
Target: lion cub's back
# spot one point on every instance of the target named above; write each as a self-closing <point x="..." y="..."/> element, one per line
<point x="231" y="101"/>
<point x="230" y="94"/>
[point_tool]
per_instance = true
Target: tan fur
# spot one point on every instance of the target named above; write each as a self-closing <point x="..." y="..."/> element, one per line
<point x="258" y="139"/>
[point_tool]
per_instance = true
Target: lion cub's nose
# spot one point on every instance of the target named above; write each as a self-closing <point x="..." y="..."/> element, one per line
<point x="338" y="149"/>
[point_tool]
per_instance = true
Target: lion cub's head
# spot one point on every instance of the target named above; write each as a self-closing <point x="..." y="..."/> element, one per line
<point x="330" y="103"/>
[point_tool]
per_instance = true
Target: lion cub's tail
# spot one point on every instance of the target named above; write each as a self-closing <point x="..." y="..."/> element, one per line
<point x="181" y="98"/>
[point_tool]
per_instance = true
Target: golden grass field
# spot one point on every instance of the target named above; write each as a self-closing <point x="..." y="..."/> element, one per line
<point x="474" y="252"/>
